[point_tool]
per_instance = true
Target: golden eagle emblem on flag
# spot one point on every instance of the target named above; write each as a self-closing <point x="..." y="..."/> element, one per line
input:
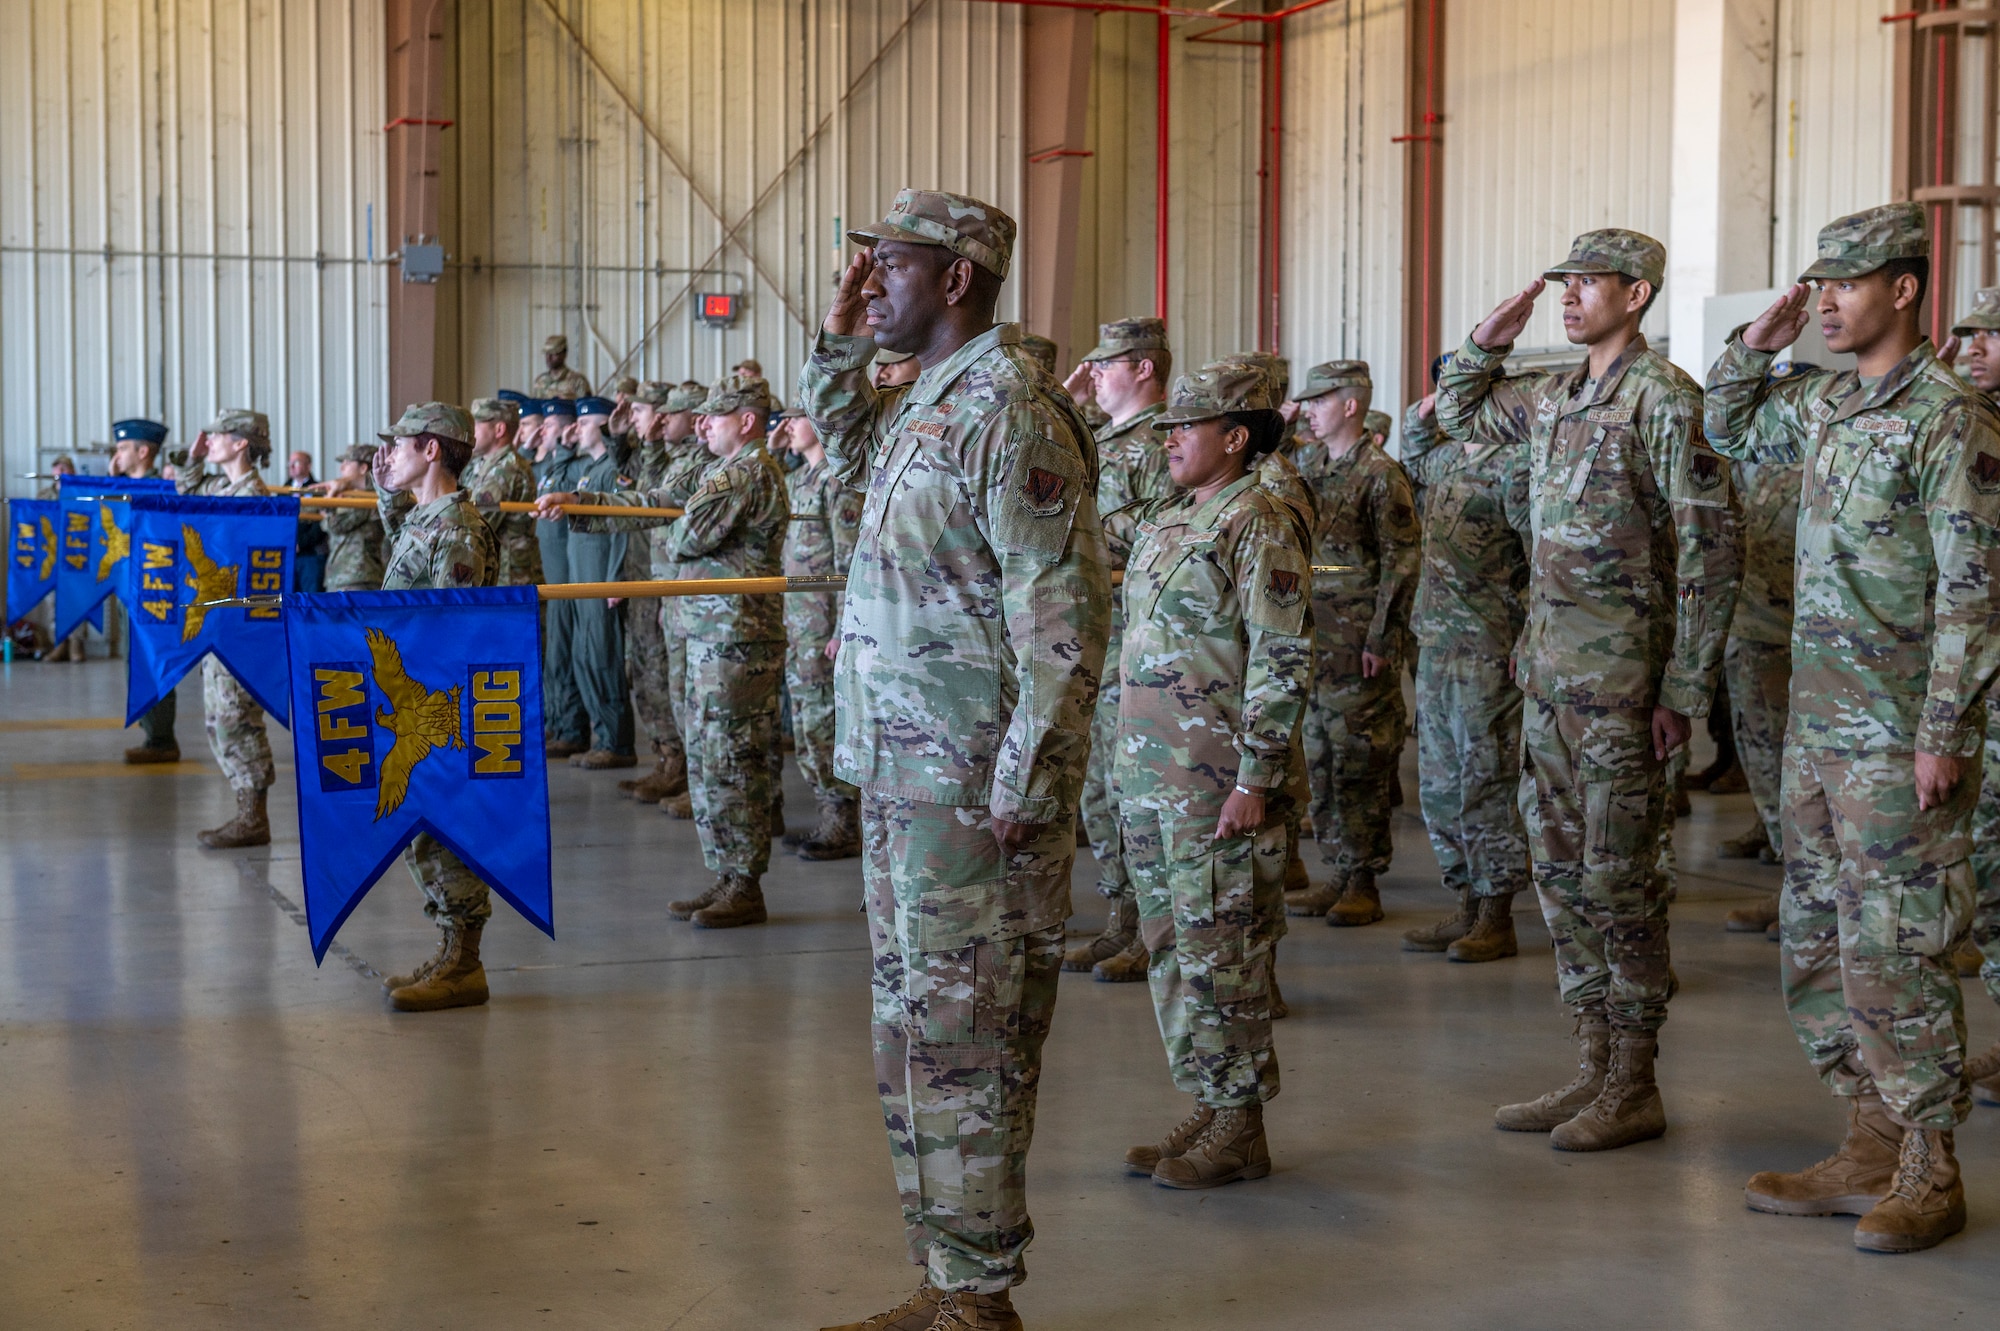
<point x="424" y="719"/>
<point x="117" y="544"/>
<point x="211" y="582"/>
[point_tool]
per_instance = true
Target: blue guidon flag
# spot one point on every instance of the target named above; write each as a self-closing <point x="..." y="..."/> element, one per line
<point x="189" y="552"/>
<point x="93" y="539"/>
<point x="418" y="711"/>
<point x="31" y="554"/>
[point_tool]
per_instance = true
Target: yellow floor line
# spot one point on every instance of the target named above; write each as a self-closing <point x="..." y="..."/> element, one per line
<point x="63" y="771"/>
<point x="62" y="723"/>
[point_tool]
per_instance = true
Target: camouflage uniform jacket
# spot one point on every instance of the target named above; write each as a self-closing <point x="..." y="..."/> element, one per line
<point x="1770" y="493"/>
<point x="355" y="544"/>
<point x="979" y="598"/>
<point x="1898" y="571"/>
<point x="646" y="468"/>
<point x="826" y="518"/>
<point x="506" y="477"/>
<point x="445" y="543"/>
<point x="1365" y="519"/>
<point x="199" y="478"/>
<point x="1131" y="466"/>
<point x="734" y="527"/>
<point x="1472" y="591"/>
<point x="1218" y="655"/>
<point x="1636" y="551"/>
<point x="563" y="383"/>
<point x="1280" y="477"/>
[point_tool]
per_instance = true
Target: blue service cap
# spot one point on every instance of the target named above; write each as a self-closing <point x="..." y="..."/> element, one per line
<point x="559" y="406"/>
<point x="520" y="400"/>
<point x="594" y="406"/>
<point x="151" y="432"/>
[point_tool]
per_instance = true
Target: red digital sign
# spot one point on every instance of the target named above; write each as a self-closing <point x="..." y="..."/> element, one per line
<point x="716" y="308"/>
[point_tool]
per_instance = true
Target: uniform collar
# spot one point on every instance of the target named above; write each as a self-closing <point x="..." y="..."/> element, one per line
<point x="1204" y="515"/>
<point x="930" y="387"/>
<point x="1893" y="383"/>
<point x="1142" y="417"/>
<point x="1607" y="387"/>
<point x="440" y="504"/>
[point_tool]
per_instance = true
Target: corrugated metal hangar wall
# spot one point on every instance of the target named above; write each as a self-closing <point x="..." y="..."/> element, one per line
<point x="195" y="211"/>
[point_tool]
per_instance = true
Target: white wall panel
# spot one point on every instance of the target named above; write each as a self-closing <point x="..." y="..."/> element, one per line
<point x="1341" y="293"/>
<point x="185" y="225"/>
<point x="1557" y="121"/>
<point x="792" y="118"/>
<point x="1835" y="118"/>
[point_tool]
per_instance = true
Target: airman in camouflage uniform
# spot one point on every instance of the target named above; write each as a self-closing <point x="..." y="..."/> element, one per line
<point x="1980" y="366"/>
<point x="665" y="436"/>
<point x="971" y="643"/>
<point x="1376" y="425"/>
<point x="354" y="535"/>
<point x="1470" y="608"/>
<point x="688" y="464"/>
<point x="826" y="520"/>
<point x="223" y="461"/>
<point x="1365" y="523"/>
<point x="499" y="474"/>
<point x="1893" y="654"/>
<point x="734" y="527"/>
<point x="1633" y="571"/>
<point x="1131" y="468"/>
<point x="441" y="542"/>
<point x="558" y="380"/>
<point x="1216" y="670"/>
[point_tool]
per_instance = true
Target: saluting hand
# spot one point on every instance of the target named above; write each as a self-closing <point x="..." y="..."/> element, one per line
<point x="1508" y="319"/>
<point x="1780" y="326"/>
<point x="1427" y="406"/>
<point x="1948" y="353"/>
<point x="1078" y="384"/>
<point x="848" y="315"/>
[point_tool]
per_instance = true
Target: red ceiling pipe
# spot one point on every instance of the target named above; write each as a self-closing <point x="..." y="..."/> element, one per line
<point x="1162" y="115"/>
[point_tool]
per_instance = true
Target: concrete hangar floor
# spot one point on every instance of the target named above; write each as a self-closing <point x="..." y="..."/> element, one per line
<point x="654" y="1127"/>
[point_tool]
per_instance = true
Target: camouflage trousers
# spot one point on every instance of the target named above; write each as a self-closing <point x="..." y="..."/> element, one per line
<point x="453" y="893"/>
<point x="809" y="680"/>
<point x="731" y="708"/>
<point x="652" y="690"/>
<point x="1099" y="805"/>
<point x="967" y="946"/>
<point x="1353" y="739"/>
<point x="1600" y="801"/>
<point x="1211" y="913"/>
<point x="1469" y="770"/>
<point x="1877" y="895"/>
<point x="235" y="726"/>
<point x="1760" y="699"/>
<point x="1986" y="860"/>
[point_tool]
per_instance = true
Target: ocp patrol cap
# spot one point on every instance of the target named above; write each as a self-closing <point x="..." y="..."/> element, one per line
<point x="1327" y="376"/>
<point x="1275" y="368"/>
<point x="730" y="396"/>
<point x="240" y="421"/>
<point x="1120" y="336"/>
<point x="1615" y="250"/>
<point x="442" y="419"/>
<point x="495" y="409"/>
<point x="555" y="342"/>
<point x="653" y="393"/>
<point x="1218" y="388"/>
<point x="1041" y="348"/>
<point x="1985" y="316"/>
<point x="145" y="431"/>
<point x="1859" y="243"/>
<point x="688" y="395"/>
<point x="965" y="226"/>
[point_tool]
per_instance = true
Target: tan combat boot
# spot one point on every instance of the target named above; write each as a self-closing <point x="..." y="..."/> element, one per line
<point x="458" y="980"/>
<point x="962" y="1310"/>
<point x="146" y="753"/>
<point x="1492" y="936"/>
<point x="1119" y="931"/>
<point x="249" y="827"/>
<point x="1231" y="1147"/>
<point x="1441" y="935"/>
<point x="391" y="983"/>
<point x="1360" y="902"/>
<point x="1983" y="1071"/>
<point x="1751" y="845"/>
<point x="660" y="783"/>
<point x="1628" y="1107"/>
<point x="678" y="806"/>
<point x="1967" y="960"/>
<point x="1143" y="1160"/>
<point x="1549" y="1112"/>
<point x="1313" y="901"/>
<point x="916" y="1313"/>
<point x="1125" y="966"/>
<point x="838" y="836"/>
<point x="553" y="749"/>
<point x="1925" y="1205"/>
<point x="601" y="760"/>
<point x="682" y="910"/>
<point x="1849" y="1182"/>
<point x="741" y="903"/>
<point x="1755" y="919"/>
